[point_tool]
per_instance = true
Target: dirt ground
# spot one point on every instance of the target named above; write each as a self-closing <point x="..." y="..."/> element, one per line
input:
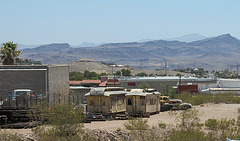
<point x="206" y="111"/>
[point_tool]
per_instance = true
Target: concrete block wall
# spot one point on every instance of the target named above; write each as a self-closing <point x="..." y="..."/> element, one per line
<point x="51" y="81"/>
<point x="58" y="84"/>
<point x="23" y="77"/>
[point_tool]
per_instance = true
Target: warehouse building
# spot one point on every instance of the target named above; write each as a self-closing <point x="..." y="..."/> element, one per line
<point x="162" y="83"/>
<point x="50" y="81"/>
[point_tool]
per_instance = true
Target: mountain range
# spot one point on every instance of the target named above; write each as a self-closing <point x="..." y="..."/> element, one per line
<point x="188" y="38"/>
<point x="215" y="53"/>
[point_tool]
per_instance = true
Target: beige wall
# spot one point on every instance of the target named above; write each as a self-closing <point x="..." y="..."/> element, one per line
<point x="118" y="103"/>
<point x="58" y="88"/>
<point x="106" y="104"/>
<point x="98" y="104"/>
<point x="150" y="104"/>
<point x="138" y="105"/>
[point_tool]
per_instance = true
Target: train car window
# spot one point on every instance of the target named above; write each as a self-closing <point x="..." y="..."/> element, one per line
<point x="129" y="102"/>
<point x="151" y="102"/>
<point x="91" y="103"/>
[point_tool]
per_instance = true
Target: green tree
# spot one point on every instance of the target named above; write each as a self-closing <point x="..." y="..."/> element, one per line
<point x="76" y="76"/>
<point x="143" y="85"/>
<point x="126" y="72"/>
<point x="89" y="74"/>
<point x="178" y="74"/>
<point x="142" y="74"/>
<point x="9" y="52"/>
<point x="102" y="74"/>
<point x="118" y="73"/>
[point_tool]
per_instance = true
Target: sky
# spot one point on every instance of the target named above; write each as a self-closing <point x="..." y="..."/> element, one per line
<point x="35" y="22"/>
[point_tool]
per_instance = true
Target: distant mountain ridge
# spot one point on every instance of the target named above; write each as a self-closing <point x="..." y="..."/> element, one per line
<point x="188" y="38"/>
<point x="210" y="53"/>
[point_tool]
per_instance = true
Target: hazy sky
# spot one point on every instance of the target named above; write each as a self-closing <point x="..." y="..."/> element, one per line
<point x="34" y="22"/>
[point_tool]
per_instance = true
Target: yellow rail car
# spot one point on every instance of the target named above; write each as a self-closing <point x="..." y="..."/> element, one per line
<point x="143" y="102"/>
<point x="106" y="101"/>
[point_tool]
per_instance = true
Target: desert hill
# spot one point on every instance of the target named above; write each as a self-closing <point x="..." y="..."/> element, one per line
<point x="103" y="68"/>
<point x="215" y="53"/>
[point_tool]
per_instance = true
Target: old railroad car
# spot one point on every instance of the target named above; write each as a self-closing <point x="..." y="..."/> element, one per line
<point x="106" y="101"/>
<point x="143" y="102"/>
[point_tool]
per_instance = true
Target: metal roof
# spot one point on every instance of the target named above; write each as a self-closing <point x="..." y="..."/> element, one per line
<point x="17" y="90"/>
<point x="166" y="78"/>
<point x="106" y="91"/>
<point x="223" y="89"/>
<point x="23" y="69"/>
<point x="136" y="90"/>
<point x="79" y="87"/>
<point x="140" y="92"/>
<point x="136" y="94"/>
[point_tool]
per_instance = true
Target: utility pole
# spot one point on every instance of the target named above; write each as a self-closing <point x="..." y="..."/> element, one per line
<point x="112" y="68"/>
<point x="113" y="76"/>
<point x="141" y="64"/>
<point x="180" y="82"/>
<point x="237" y="71"/>
<point x="166" y="68"/>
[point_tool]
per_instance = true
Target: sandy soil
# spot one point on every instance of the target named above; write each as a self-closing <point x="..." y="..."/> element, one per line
<point x="206" y="111"/>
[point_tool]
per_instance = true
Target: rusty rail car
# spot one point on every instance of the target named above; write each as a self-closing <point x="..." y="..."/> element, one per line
<point x="16" y="109"/>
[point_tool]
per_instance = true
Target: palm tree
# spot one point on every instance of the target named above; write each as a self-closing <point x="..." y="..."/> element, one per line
<point x="9" y="52"/>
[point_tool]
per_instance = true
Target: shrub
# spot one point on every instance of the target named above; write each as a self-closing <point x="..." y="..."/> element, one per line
<point x="162" y="125"/>
<point x="197" y="99"/>
<point x="7" y="136"/>
<point x="223" y="128"/>
<point x="181" y="135"/>
<point x="140" y="129"/>
<point x="65" y="123"/>
<point x="188" y="120"/>
<point x="211" y="124"/>
<point x="136" y="124"/>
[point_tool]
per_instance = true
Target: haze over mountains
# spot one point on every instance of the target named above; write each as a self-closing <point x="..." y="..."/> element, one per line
<point x="215" y="53"/>
<point x="188" y="38"/>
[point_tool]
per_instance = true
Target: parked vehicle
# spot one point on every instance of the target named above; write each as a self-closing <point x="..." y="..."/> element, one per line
<point x="167" y="99"/>
<point x="178" y="105"/>
<point x="21" y="92"/>
<point x="173" y="104"/>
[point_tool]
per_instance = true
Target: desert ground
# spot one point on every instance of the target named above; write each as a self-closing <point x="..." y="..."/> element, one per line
<point x="206" y="111"/>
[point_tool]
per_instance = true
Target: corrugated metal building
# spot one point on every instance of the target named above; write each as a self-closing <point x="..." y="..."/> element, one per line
<point x="160" y="83"/>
